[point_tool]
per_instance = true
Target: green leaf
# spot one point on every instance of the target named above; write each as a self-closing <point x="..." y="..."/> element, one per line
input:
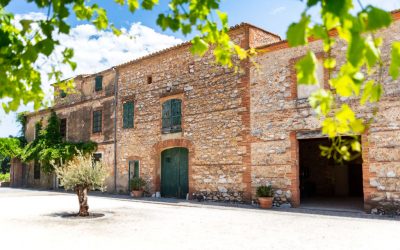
<point x="330" y="63"/>
<point x="306" y="69"/>
<point x="149" y="4"/>
<point x="372" y="53"/>
<point x="356" y="51"/>
<point x="133" y="5"/>
<point x="297" y="33"/>
<point x="199" y="46"/>
<point x="395" y="60"/>
<point x="377" y="18"/>
<point x="356" y="146"/>
<point x="311" y="3"/>
<point x="338" y="8"/>
<point x="321" y="101"/>
<point x="223" y="17"/>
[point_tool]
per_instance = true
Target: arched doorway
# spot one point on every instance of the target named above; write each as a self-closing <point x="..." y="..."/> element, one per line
<point x="174" y="172"/>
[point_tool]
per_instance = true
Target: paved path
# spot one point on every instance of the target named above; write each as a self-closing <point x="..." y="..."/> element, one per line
<point x="31" y="220"/>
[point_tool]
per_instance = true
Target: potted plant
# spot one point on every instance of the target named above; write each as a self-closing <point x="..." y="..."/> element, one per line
<point x="265" y="196"/>
<point x="137" y="184"/>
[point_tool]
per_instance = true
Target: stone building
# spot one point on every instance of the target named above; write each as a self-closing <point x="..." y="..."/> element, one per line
<point x="189" y="127"/>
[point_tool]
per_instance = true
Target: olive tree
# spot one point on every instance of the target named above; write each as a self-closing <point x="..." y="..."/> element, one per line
<point x="82" y="174"/>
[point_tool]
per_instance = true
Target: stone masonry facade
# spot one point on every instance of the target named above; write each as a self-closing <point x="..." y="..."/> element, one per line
<point x="241" y="129"/>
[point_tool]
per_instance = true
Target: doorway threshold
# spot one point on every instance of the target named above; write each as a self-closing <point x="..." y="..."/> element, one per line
<point x="334" y="204"/>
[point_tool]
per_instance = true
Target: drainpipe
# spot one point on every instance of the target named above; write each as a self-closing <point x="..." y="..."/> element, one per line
<point x="115" y="126"/>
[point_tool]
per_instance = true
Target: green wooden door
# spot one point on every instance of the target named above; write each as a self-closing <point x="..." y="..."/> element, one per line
<point x="174" y="173"/>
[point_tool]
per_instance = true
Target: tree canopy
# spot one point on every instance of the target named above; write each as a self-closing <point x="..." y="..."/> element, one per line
<point x="23" y="42"/>
<point x="360" y="76"/>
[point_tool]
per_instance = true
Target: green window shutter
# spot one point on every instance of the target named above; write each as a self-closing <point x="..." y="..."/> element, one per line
<point x="97" y="121"/>
<point x="98" y="83"/>
<point x="128" y="114"/>
<point x="176" y="115"/>
<point x="166" y="114"/>
<point x="136" y="169"/>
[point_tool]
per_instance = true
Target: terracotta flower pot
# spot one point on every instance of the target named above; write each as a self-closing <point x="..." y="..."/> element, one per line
<point x="137" y="193"/>
<point x="265" y="202"/>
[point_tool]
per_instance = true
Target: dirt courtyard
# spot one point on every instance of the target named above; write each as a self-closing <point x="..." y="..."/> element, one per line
<point x="31" y="220"/>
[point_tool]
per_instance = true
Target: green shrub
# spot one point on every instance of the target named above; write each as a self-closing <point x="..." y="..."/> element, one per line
<point x="5" y="177"/>
<point x="265" y="191"/>
<point x="137" y="183"/>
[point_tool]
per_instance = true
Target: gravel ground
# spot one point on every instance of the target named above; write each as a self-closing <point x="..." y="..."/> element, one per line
<point x="33" y="220"/>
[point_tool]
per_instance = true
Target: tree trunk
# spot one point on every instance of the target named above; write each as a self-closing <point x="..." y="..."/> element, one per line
<point x="81" y="191"/>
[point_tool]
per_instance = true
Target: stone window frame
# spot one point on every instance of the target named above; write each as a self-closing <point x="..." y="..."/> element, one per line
<point x="163" y="99"/>
<point x="102" y="121"/>
<point x="125" y="100"/>
<point x="293" y="75"/>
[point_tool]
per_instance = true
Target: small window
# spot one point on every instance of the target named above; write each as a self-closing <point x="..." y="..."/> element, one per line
<point x="36" y="170"/>
<point x="63" y="94"/>
<point x="97" y="121"/>
<point x="304" y="90"/>
<point x="98" y="83"/>
<point x="128" y="114"/>
<point x="63" y="128"/>
<point x="38" y="127"/>
<point x="97" y="157"/>
<point x="149" y="79"/>
<point x="171" y="116"/>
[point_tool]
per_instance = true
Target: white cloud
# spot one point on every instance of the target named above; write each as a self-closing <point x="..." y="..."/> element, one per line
<point x="278" y="10"/>
<point x="94" y="51"/>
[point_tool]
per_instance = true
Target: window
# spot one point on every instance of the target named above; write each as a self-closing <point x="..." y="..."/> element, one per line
<point x="97" y="157"/>
<point x="304" y="91"/>
<point x="63" y="128"/>
<point x="128" y="114"/>
<point x="63" y="94"/>
<point x="171" y="116"/>
<point x="98" y="83"/>
<point x="38" y="127"/>
<point x="36" y="170"/>
<point x="97" y="121"/>
<point x="149" y="79"/>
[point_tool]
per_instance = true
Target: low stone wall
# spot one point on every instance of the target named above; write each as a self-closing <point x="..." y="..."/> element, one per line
<point x="231" y="196"/>
<point x="5" y="184"/>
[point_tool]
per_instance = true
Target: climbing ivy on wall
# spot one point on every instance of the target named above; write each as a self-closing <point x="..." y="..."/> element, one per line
<point x="48" y="147"/>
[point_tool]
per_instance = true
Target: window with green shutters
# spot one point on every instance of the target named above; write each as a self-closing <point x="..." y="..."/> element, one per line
<point x="171" y="116"/>
<point x="98" y="83"/>
<point x="128" y="114"/>
<point x="97" y="121"/>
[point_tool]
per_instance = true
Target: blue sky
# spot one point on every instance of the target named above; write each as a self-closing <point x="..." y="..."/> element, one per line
<point x="272" y="15"/>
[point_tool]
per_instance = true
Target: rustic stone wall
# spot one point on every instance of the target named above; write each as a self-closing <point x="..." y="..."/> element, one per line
<point x="211" y="121"/>
<point x="277" y="114"/>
